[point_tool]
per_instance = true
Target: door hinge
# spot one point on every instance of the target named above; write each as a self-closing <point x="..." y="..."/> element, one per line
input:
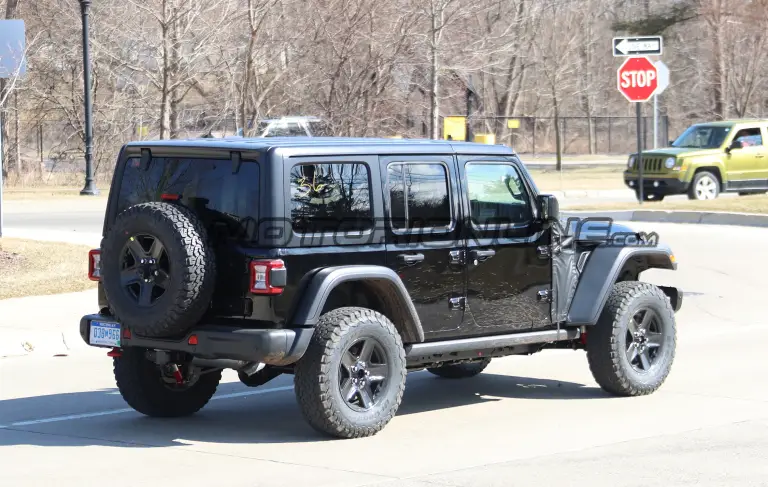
<point x="544" y="251"/>
<point x="457" y="303"/>
<point x="456" y="256"/>
<point x="545" y="295"/>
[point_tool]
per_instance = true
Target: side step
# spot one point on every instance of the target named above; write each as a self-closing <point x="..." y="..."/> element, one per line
<point x="418" y="351"/>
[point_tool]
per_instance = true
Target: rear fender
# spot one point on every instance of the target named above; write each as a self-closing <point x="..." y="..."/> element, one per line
<point x="383" y="281"/>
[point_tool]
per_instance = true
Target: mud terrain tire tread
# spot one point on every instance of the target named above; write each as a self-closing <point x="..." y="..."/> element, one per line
<point x="313" y="379"/>
<point x="141" y="386"/>
<point x="604" y="352"/>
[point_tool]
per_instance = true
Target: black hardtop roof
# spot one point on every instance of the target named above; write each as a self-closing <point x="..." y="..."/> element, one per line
<point x="324" y="145"/>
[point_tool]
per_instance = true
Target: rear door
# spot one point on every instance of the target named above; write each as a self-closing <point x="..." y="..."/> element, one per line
<point x="509" y="273"/>
<point x="423" y="228"/>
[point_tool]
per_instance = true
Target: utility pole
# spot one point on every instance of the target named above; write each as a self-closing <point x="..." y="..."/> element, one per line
<point x="90" y="188"/>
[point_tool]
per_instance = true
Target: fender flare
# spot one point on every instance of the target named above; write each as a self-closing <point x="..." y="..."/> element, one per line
<point x="600" y="274"/>
<point x="387" y="285"/>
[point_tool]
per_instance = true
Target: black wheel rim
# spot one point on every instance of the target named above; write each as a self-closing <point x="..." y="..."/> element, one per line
<point x="645" y="340"/>
<point x="363" y="374"/>
<point x="145" y="270"/>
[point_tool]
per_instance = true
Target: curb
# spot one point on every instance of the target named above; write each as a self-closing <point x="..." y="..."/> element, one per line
<point x="678" y="216"/>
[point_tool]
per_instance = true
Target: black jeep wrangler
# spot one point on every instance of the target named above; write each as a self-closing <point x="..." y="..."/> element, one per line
<point x="350" y="262"/>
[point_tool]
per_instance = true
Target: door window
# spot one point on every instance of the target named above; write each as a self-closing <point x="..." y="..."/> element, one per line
<point x="748" y="138"/>
<point x="497" y="195"/>
<point x="419" y="197"/>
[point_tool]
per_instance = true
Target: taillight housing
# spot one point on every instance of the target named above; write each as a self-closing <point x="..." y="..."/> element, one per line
<point x="94" y="265"/>
<point x="268" y="276"/>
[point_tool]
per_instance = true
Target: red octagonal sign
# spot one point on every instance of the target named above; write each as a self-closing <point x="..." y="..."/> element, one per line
<point x="637" y="79"/>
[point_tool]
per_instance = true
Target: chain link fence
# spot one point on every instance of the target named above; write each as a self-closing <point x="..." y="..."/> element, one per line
<point x="578" y="135"/>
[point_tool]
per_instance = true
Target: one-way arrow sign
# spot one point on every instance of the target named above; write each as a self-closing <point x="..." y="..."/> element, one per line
<point x="637" y="46"/>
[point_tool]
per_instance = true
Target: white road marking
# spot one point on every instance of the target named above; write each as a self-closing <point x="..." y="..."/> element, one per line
<point x="71" y="417"/>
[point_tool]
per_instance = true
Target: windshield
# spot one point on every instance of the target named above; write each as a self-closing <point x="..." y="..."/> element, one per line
<point x="702" y="137"/>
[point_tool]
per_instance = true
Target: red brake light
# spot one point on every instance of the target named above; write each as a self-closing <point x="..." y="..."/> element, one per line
<point x="268" y="276"/>
<point x="192" y="340"/>
<point x="170" y="197"/>
<point x="94" y="265"/>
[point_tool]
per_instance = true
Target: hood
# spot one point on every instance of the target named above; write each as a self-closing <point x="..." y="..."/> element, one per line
<point x="677" y="152"/>
<point x="594" y="228"/>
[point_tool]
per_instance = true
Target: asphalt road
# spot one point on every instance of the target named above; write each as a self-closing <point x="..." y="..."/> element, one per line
<point x="525" y="421"/>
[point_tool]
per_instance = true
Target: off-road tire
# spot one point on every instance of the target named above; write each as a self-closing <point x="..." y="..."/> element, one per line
<point x="460" y="371"/>
<point x="192" y="275"/>
<point x="316" y="377"/>
<point x="606" y="341"/>
<point x="696" y="178"/>
<point x="140" y="383"/>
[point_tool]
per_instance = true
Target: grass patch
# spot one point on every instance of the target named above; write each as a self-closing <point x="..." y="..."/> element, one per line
<point x="32" y="268"/>
<point x="601" y="177"/>
<point x="736" y="204"/>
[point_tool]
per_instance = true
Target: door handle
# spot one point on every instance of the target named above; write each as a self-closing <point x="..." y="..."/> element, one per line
<point x="410" y="259"/>
<point x="481" y="255"/>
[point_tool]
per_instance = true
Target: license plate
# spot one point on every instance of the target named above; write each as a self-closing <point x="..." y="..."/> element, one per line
<point x="103" y="333"/>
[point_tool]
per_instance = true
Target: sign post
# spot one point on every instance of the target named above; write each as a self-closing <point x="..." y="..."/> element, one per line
<point x="637" y="80"/>
<point x="13" y="65"/>
<point x="662" y="72"/>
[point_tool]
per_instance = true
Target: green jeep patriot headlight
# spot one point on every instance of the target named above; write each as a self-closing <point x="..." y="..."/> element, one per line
<point x="670" y="162"/>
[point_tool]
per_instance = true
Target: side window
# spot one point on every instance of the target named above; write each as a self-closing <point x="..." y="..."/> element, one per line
<point x="329" y="198"/>
<point x="749" y="137"/>
<point x="497" y="195"/>
<point x="418" y="195"/>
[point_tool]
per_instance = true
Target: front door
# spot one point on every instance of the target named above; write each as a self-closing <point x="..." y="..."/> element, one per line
<point x="509" y="275"/>
<point x="747" y="161"/>
<point x="423" y="238"/>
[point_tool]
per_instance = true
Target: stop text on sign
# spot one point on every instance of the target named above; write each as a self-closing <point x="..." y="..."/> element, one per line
<point x="637" y="79"/>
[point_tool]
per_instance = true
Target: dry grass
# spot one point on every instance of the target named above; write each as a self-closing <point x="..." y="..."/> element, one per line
<point x="737" y="204"/>
<point x="31" y="268"/>
<point x="595" y="178"/>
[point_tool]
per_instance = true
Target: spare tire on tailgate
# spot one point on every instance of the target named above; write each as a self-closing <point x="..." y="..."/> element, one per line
<point x="157" y="269"/>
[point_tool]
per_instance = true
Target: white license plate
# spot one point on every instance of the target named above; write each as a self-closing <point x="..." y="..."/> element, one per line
<point x="103" y="333"/>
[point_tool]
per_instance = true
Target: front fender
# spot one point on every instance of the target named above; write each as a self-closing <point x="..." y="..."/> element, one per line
<point x="383" y="281"/>
<point x="601" y="272"/>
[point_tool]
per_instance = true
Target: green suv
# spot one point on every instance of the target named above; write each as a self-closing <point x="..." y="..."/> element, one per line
<point x="706" y="159"/>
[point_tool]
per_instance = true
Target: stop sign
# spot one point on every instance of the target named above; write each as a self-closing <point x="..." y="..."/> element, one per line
<point x="637" y="79"/>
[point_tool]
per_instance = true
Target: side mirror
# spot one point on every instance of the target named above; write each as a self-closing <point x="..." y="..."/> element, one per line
<point x="549" y="207"/>
<point x="736" y="144"/>
<point x="671" y="143"/>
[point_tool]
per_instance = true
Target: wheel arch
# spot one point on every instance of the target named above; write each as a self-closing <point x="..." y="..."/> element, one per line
<point x="380" y="288"/>
<point x="715" y="170"/>
<point x="608" y="265"/>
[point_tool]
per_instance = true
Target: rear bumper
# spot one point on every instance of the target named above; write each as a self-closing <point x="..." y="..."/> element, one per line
<point x="662" y="186"/>
<point x="268" y="346"/>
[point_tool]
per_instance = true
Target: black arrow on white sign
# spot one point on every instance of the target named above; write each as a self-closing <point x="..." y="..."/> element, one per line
<point x="637" y="46"/>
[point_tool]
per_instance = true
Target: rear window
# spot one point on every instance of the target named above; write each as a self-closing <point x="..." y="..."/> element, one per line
<point x="226" y="202"/>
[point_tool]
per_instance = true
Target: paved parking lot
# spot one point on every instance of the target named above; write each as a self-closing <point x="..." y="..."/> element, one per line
<point x="526" y="420"/>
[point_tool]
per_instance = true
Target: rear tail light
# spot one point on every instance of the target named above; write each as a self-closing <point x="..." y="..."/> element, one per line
<point x="94" y="265"/>
<point x="268" y="276"/>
